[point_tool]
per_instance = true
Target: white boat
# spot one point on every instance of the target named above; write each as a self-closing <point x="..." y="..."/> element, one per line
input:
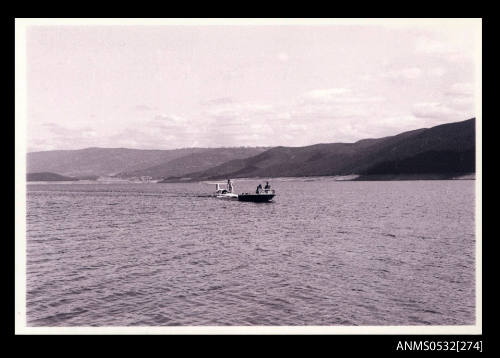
<point x="225" y="191"/>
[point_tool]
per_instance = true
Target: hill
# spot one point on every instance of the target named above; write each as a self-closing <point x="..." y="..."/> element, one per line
<point x="46" y="176"/>
<point x="125" y="162"/>
<point x="447" y="149"/>
<point x="443" y="151"/>
<point x="198" y="161"/>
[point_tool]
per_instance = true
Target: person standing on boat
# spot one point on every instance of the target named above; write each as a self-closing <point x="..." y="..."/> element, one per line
<point x="267" y="187"/>
<point x="229" y="186"/>
<point x="259" y="188"/>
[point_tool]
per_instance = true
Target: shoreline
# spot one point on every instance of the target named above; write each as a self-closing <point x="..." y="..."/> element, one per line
<point x="411" y="177"/>
<point x="343" y="178"/>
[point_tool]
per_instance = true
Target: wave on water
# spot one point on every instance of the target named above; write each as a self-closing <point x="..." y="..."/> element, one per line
<point x="360" y="253"/>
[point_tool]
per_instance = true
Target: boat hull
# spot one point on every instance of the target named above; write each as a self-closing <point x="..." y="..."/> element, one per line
<point x="227" y="196"/>
<point x="256" y="198"/>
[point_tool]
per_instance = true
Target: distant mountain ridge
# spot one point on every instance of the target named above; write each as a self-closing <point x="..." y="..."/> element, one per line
<point x="123" y="162"/>
<point x="193" y="162"/>
<point x="445" y="149"/>
<point x="46" y="176"/>
<point x="99" y="161"/>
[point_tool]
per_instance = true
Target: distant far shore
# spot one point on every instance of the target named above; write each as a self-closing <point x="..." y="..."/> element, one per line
<point x="443" y="152"/>
<point x="352" y="177"/>
<point x="396" y="177"/>
<point x="382" y="177"/>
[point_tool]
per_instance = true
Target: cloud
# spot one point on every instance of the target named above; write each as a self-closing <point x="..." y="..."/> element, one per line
<point x="333" y="103"/>
<point x="464" y="104"/>
<point x="170" y="131"/>
<point x="318" y="115"/>
<point x="57" y="129"/>
<point x="218" y="101"/>
<point x="143" y="108"/>
<point x="282" y="57"/>
<point x="325" y="115"/>
<point x="55" y="136"/>
<point x="460" y="97"/>
<point x="316" y="112"/>
<point x="461" y="89"/>
<point x="408" y="73"/>
<point x="237" y="110"/>
<point x="429" y="46"/>
<point x="161" y="131"/>
<point x="338" y="96"/>
<point x="435" y="110"/>
<point x="451" y="46"/>
<point x="437" y="71"/>
<point x="325" y="95"/>
<point x="170" y="118"/>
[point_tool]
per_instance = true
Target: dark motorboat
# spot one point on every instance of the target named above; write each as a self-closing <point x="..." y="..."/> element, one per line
<point x="226" y="191"/>
<point x="263" y="196"/>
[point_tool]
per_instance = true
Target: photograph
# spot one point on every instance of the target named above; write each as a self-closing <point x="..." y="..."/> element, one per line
<point x="248" y="176"/>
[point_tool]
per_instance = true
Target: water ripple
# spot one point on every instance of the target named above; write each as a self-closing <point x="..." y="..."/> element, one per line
<point x="339" y="253"/>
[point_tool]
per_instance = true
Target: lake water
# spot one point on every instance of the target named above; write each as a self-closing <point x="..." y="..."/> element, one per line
<point x="323" y="253"/>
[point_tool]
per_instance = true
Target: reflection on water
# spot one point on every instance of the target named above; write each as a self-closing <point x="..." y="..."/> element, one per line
<point x="323" y="253"/>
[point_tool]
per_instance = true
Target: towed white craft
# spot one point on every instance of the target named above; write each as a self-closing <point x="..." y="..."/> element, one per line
<point x="225" y="191"/>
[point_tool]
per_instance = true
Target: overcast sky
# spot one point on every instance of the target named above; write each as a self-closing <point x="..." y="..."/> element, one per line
<point x="165" y="87"/>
